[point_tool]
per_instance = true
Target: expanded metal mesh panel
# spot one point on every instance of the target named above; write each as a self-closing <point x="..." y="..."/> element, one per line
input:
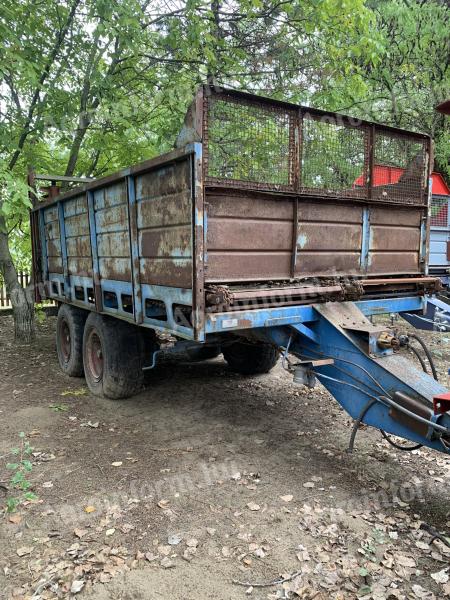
<point x="256" y="144"/>
<point x="399" y="170"/>
<point x="250" y="144"/>
<point x="439" y="211"/>
<point x="334" y="158"/>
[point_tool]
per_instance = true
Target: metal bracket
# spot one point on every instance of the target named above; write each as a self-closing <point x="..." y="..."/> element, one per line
<point x="441" y="404"/>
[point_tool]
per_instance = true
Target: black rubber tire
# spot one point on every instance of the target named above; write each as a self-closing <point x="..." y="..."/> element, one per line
<point x="70" y="324"/>
<point x="250" y="358"/>
<point x="121" y="347"/>
<point x="204" y="353"/>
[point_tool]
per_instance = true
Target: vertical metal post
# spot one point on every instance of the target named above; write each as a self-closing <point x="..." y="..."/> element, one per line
<point x="294" y="237"/>
<point x="198" y="254"/>
<point x="94" y="252"/>
<point x="365" y="241"/>
<point x="425" y="220"/>
<point x="43" y="248"/>
<point x="299" y="150"/>
<point x="62" y="234"/>
<point x="134" y="246"/>
<point x="371" y="161"/>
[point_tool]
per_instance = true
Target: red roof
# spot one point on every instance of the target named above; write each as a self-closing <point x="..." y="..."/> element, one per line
<point x="440" y="188"/>
<point x="384" y="174"/>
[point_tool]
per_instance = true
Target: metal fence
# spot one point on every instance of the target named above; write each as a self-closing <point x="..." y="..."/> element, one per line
<point x="257" y="143"/>
<point x="439" y="211"/>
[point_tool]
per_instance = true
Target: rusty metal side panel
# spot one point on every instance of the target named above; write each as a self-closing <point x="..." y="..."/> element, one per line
<point x="112" y="232"/>
<point x="78" y="243"/>
<point x="395" y="241"/>
<point x="164" y="221"/>
<point x="53" y="240"/>
<point x="249" y="237"/>
<point x="329" y="239"/>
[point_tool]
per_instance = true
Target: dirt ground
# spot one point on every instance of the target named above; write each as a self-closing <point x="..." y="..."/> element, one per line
<point x="210" y="486"/>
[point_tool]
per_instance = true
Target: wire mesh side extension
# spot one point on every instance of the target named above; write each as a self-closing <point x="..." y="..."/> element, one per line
<point x="334" y="157"/>
<point x="400" y="164"/>
<point x="439" y="211"/>
<point x="255" y="143"/>
<point x="252" y="145"/>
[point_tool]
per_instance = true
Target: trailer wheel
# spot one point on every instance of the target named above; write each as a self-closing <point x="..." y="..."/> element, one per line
<point x="204" y="353"/>
<point x="69" y="339"/>
<point x="250" y="358"/>
<point x="112" y="357"/>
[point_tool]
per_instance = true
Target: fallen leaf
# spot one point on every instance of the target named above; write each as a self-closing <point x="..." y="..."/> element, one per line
<point x="151" y="557"/>
<point x="174" y="540"/>
<point x="77" y="586"/>
<point x="405" y="561"/>
<point x="80" y="532"/>
<point x="287" y="498"/>
<point x="166" y="563"/>
<point x="16" y="519"/>
<point x="90" y="509"/>
<point x="163" y="503"/>
<point x="441" y="576"/>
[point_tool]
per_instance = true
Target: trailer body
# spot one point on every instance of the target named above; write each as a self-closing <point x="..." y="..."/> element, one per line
<point x="268" y="204"/>
<point x="270" y="222"/>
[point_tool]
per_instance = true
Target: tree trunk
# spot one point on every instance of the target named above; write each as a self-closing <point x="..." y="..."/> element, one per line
<point x="22" y="300"/>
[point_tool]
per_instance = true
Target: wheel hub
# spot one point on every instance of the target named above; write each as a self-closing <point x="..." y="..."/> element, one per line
<point x="65" y="341"/>
<point x="95" y="356"/>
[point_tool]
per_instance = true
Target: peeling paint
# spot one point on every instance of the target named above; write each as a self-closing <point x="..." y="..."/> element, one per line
<point x="302" y="240"/>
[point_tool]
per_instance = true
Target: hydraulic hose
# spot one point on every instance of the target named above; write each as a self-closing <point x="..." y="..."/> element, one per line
<point x="427" y="354"/>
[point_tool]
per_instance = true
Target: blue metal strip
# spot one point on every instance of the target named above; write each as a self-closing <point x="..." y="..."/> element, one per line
<point x="62" y="234"/>
<point x="134" y="245"/>
<point x="44" y="254"/>
<point x="307" y="332"/>
<point x="198" y="306"/>
<point x="365" y="242"/>
<point x="95" y="268"/>
<point x="287" y="315"/>
<point x="391" y="305"/>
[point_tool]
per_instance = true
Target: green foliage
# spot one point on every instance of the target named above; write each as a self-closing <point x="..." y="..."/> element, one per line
<point x="20" y="470"/>
<point x="410" y="77"/>
<point x="59" y="407"/>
